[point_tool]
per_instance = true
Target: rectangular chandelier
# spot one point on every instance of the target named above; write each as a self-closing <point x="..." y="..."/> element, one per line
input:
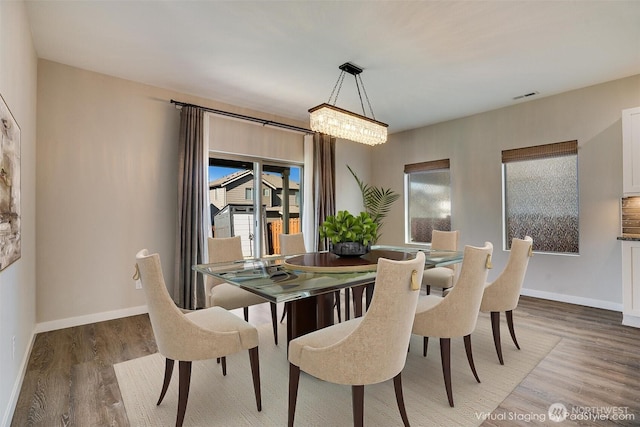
<point x="339" y="123"/>
<point x="344" y="124"/>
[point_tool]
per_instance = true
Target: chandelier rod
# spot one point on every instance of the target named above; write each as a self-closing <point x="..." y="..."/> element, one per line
<point x="338" y="85"/>
<point x="355" y="77"/>
<point x="355" y="71"/>
<point x="366" y="96"/>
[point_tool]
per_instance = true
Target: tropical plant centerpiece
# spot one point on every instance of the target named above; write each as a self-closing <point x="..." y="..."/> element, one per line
<point x="349" y="235"/>
<point x="377" y="202"/>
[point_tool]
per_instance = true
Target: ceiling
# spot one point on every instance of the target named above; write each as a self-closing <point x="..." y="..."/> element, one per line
<point x="424" y="61"/>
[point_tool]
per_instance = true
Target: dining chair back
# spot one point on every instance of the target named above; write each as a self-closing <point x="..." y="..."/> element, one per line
<point x="368" y="349"/>
<point x="503" y="294"/>
<point x="197" y="335"/>
<point x="442" y="277"/>
<point x="167" y="320"/>
<point x="226" y="295"/>
<point x="221" y="249"/>
<point x="456" y="314"/>
<point x="445" y="240"/>
<point x="292" y="244"/>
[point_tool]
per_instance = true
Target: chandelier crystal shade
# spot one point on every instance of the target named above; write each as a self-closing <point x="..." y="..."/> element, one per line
<point x="340" y="123"/>
<point x="344" y="124"/>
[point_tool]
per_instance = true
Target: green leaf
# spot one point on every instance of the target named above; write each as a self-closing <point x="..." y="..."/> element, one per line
<point x="377" y="202"/>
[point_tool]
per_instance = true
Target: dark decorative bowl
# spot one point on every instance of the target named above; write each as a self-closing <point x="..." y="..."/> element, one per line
<point x="353" y="249"/>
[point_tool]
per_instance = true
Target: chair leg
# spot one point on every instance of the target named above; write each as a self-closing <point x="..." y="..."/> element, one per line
<point x="428" y="290"/>
<point x="274" y="321"/>
<point x="294" y="379"/>
<point x="223" y="361"/>
<point x="445" y="355"/>
<point x="347" y="303"/>
<point x="246" y="313"/>
<point x="357" y="398"/>
<point x="425" y="344"/>
<point x="338" y="306"/>
<point x="511" y="330"/>
<point x="284" y="312"/>
<point x="183" y="390"/>
<point x="397" y="385"/>
<point x="495" y="326"/>
<point x="467" y="347"/>
<point x="168" y="370"/>
<point x="368" y="293"/>
<point x="255" y="373"/>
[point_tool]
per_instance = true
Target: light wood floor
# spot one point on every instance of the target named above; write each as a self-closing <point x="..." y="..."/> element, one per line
<point x="70" y="380"/>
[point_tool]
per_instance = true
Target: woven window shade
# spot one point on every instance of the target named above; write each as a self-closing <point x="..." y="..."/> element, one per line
<point x="540" y="151"/>
<point x="427" y="166"/>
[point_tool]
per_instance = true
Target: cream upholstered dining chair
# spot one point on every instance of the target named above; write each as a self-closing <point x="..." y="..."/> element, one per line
<point x="456" y="314"/>
<point x="368" y="349"/>
<point x="226" y="295"/>
<point x="198" y="335"/>
<point x="293" y="244"/>
<point x="503" y="293"/>
<point x="441" y="277"/>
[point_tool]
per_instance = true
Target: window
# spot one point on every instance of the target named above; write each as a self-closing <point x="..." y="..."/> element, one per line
<point x="541" y="196"/>
<point x="428" y="200"/>
<point x="232" y="196"/>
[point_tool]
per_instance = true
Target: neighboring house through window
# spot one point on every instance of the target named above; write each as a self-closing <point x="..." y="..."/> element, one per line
<point x="232" y="196"/>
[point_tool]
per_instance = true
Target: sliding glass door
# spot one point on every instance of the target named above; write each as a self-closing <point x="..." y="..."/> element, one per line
<point x="255" y="199"/>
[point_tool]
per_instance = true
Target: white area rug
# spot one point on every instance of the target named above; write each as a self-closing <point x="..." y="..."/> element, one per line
<point x="215" y="400"/>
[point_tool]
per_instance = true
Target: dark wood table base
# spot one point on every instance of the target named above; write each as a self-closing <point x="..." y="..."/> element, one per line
<point x="310" y="314"/>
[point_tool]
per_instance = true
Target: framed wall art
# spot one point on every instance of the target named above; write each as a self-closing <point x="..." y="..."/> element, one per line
<point x="10" y="246"/>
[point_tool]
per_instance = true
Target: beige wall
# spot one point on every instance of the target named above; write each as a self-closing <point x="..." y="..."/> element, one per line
<point x="358" y="157"/>
<point x="107" y="156"/>
<point x="474" y="144"/>
<point x="18" y="70"/>
<point x="107" y="173"/>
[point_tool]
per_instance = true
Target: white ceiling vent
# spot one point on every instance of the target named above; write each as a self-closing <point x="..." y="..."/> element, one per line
<point x="526" y="95"/>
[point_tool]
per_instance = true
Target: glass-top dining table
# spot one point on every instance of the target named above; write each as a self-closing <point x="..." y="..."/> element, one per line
<point x="307" y="282"/>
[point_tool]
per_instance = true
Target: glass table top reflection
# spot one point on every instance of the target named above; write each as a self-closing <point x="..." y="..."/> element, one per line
<point x="282" y="279"/>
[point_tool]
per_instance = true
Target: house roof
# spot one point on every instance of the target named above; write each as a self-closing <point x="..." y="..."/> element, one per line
<point x="273" y="181"/>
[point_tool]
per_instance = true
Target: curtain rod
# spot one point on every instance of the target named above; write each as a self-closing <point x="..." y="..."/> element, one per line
<point x="247" y="118"/>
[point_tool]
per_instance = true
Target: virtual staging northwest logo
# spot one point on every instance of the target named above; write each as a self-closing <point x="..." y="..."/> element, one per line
<point x="558" y="413"/>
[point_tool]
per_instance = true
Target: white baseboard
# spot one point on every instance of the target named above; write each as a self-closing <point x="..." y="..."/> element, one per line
<point x="17" y="386"/>
<point x="90" y="318"/>
<point x="571" y="299"/>
<point x="629" y="320"/>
